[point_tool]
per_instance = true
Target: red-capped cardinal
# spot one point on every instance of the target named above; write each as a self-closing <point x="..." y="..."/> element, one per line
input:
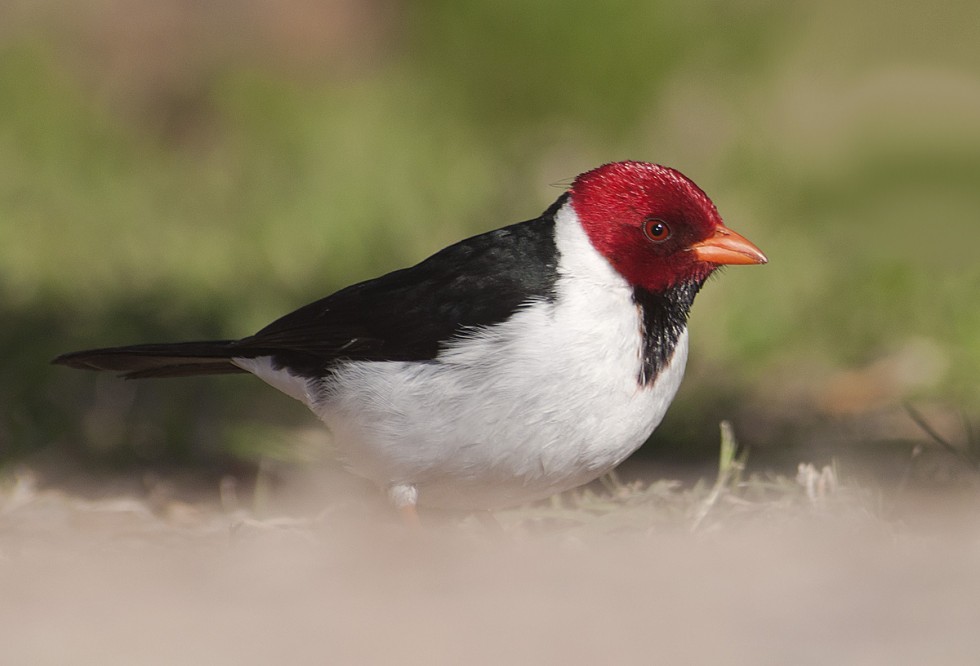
<point x="507" y="367"/>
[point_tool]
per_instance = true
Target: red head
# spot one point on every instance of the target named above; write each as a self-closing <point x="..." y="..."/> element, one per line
<point x="655" y="226"/>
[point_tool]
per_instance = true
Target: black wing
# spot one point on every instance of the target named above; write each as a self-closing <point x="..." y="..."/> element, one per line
<point x="407" y="315"/>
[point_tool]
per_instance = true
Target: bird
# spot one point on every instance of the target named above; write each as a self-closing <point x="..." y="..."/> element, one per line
<point x="505" y="368"/>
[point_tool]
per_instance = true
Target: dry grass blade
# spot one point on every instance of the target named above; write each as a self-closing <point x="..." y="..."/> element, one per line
<point x="730" y="466"/>
<point x="921" y="421"/>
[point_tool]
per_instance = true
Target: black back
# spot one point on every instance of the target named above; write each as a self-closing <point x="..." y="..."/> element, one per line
<point x="407" y="315"/>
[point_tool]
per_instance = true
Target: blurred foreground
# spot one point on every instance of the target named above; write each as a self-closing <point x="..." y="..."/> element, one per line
<point x="804" y="571"/>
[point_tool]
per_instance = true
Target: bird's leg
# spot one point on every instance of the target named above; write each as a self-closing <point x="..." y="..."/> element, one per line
<point x="410" y="515"/>
<point x="405" y="497"/>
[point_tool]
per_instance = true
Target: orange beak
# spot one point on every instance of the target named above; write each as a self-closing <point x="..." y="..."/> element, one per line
<point x="727" y="247"/>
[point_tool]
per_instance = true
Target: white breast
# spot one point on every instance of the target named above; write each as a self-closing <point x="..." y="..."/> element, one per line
<point x="544" y="402"/>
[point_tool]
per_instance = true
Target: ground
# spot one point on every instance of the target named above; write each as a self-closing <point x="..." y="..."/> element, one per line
<point x="743" y="570"/>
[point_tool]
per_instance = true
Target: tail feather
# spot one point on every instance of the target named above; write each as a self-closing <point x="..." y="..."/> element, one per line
<point x="181" y="359"/>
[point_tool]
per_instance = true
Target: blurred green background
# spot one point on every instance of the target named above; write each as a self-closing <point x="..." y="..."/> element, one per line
<point x="176" y="170"/>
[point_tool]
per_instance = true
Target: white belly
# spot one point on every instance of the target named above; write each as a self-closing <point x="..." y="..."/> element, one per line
<point x="488" y="427"/>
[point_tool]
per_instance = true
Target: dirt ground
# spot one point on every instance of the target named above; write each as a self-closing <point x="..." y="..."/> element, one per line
<point x="811" y="573"/>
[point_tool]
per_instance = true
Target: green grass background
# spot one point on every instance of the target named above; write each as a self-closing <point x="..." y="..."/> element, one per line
<point x="174" y="171"/>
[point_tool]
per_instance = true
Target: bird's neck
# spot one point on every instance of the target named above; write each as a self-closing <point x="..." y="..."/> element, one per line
<point x="663" y="318"/>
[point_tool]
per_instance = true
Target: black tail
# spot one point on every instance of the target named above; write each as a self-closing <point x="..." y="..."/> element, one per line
<point x="180" y="359"/>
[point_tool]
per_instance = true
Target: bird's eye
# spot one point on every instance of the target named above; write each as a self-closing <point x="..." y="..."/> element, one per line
<point x="656" y="230"/>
